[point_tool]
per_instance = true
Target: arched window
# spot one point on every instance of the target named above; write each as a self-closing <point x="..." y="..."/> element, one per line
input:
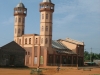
<point x="50" y="16"/>
<point x="46" y="16"/>
<point x="19" y="30"/>
<point x="26" y="41"/>
<point x="36" y="40"/>
<point x="28" y="53"/>
<point x="46" y="41"/>
<point x="23" y="31"/>
<point x="42" y="16"/>
<point x="29" y="40"/>
<point x="52" y="7"/>
<point x="41" y="40"/>
<point x="23" y="20"/>
<point x="19" y="20"/>
<point x="46" y="28"/>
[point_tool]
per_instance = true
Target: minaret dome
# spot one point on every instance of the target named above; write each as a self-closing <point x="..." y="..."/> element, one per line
<point x="20" y="9"/>
<point x="46" y="5"/>
<point x="20" y="5"/>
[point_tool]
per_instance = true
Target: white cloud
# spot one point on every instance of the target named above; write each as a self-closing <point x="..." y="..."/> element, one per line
<point x="78" y="6"/>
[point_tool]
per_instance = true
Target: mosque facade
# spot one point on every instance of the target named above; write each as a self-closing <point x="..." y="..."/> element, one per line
<point x="40" y="49"/>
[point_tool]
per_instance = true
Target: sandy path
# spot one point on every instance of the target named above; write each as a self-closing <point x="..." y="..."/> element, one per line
<point x="64" y="71"/>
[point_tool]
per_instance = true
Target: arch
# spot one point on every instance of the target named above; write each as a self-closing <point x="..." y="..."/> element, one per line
<point x="46" y="16"/>
<point x="29" y="40"/>
<point x="51" y="7"/>
<point x="26" y="41"/>
<point x="46" y="40"/>
<point x="50" y="16"/>
<point x="23" y="31"/>
<point x="19" y="20"/>
<point x="42" y="16"/>
<point x="36" y="41"/>
<point x="23" y="20"/>
<point x="28" y="53"/>
<point x="46" y="28"/>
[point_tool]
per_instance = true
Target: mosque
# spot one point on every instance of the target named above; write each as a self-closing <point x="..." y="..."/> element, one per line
<point x="40" y="49"/>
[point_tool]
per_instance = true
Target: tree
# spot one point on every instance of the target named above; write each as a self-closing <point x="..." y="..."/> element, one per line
<point x="92" y="56"/>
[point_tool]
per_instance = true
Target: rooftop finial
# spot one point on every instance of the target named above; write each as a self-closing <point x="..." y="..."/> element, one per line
<point x="47" y="1"/>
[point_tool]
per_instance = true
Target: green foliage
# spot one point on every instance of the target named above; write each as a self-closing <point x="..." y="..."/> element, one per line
<point x="92" y="56"/>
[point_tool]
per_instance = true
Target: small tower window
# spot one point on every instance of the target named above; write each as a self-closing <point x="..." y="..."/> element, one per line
<point x="19" y="20"/>
<point x="23" y="20"/>
<point x="50" y="41"/>
<point x="28" y="53"/>
<point x="52" y="7"/>
<point x="29" y="40"/>
<point x="36" y="40"/>
<point x="46" y="41"/>
<point x="25" y="12"/>
<point x="46" y="28"/>
<point x="23" y="31"/>
<point x="41" y="40"/>
<point x="42" y="16"/>
<point x="48" y="6"/>
<point x="26" y="41"/>
<point x="50" y="16"/>
<point x="19" y="30"/>
<point x="46" y="16"/>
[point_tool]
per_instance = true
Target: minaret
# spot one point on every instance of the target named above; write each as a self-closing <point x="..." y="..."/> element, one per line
<point x="20" y="13"/>
<point x="46" y="12"/>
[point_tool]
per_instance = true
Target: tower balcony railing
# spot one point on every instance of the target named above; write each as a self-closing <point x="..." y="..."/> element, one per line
<point x="46" y="9"/>
<point x="18" y="13"/>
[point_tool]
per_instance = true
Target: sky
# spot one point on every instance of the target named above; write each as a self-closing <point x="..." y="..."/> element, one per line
<point x="75" y="19"/>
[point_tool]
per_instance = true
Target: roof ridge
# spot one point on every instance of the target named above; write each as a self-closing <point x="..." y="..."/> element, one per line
<point x="74" y="41"/>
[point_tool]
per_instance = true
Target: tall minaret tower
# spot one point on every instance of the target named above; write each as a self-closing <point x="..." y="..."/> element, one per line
<point x="46" y="11"/>
<point x="20" y="13"/>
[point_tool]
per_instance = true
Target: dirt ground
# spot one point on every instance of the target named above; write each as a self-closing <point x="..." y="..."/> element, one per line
<point x="52" y="71"/>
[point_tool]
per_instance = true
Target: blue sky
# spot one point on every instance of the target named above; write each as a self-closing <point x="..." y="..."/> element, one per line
<point x="76" y="19"/>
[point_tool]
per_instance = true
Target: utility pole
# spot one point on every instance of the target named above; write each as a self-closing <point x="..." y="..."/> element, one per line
<point x="91" y="55"/>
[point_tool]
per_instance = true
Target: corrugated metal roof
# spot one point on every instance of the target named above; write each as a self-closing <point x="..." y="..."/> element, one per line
<point x="58" y="45"/>
<point x="60" y="48"/>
